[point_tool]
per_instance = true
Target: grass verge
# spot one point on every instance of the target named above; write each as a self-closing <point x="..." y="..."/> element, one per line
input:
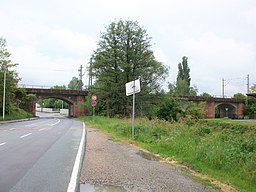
<point x="16" y="113"/>
<point x="222" y="149"/>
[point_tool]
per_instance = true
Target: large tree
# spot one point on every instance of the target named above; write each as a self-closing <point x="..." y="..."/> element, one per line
<point x="182" y="86"/>
<point x="11" y="77"/>
<point x="124" y="53"/>
<point x="75" y="84"/>
<point x="183" y="77"/>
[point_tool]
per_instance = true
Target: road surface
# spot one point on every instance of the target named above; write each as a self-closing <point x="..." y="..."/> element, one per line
<point x="38" y="155"/>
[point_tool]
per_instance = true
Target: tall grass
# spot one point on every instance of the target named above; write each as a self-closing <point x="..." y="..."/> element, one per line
<point x="225" y="149"/>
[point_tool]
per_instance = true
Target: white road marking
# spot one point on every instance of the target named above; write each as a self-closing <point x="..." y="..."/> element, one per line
<point x="55" y="123"/>
<point x="38" y="123"/>
<point x="31" y="125"/>
<point x="2" y="143"/>
<point x="73" y="180"/>
<point x="25" y="135"/>
<point x="42" y="129"/>
<point x="12" y="129"/>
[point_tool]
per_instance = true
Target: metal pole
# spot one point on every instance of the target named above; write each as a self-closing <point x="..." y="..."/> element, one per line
<point x="133" y="108"/>
<point x="4" y="92"/>
<point x="223" y="81"/>
<point x="248" y="84"/>
<point x="93" y="114"/>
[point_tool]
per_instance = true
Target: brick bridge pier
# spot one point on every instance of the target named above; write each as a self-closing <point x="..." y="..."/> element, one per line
<point x="75" y="99"/>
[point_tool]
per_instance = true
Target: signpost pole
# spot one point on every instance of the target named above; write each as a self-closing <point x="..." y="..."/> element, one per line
<point x="94" y="103"/>
<point x="93" y="114"/>
<point x="133" y="108"/>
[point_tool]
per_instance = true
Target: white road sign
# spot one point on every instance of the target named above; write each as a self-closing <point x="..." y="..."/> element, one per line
<point x="129" y="87"/>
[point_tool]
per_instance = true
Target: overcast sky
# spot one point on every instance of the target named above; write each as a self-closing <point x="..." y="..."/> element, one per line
<point x="50" y="39"/>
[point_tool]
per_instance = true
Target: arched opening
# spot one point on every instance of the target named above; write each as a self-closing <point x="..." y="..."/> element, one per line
<point x="225" y="110"/>
<point x="53" y="104"/>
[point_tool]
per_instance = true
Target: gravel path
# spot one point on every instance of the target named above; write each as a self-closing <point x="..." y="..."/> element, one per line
<point x="118" y="164"/>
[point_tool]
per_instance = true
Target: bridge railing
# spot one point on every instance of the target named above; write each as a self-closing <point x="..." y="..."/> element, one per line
<point x="34" y="86"/>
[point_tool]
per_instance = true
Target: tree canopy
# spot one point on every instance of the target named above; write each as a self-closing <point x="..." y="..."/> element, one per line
<point x="75" y="84"/>
<point x="11" y="76"/>
<point x="182" y="86"/>
<point x="124" y="54"/>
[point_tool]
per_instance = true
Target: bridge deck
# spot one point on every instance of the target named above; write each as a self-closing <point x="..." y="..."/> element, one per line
<point x="57" y="92"/>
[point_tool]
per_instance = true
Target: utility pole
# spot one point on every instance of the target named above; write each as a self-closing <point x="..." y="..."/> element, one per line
<point x="80" y="70"/>
<point x="90" y="74"/>
<point x="4" y="91"/>
<point x="223" y="82"/>
<point x="248" y="84"/>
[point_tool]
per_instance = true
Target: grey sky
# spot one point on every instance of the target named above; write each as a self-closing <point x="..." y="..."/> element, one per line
<point x="50" y="39"/>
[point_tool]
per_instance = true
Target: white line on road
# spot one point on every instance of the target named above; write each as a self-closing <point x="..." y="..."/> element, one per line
<point x="55" y="123"/>
<point x="25" y="135"/>
<point x="12" y="129"/>
<point x="73" y="180"/>
<point x="2" y="143"/>
<point x="31" y="125"/>
<point x="42" y="129"/>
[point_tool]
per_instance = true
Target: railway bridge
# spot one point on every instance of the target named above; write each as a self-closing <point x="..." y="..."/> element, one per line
<point x="75" y="99"/>
<point x="220" y="107"/>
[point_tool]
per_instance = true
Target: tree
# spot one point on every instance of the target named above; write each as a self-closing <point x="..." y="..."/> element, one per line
<point x="239" y="96"/>
<point x="250" y="104"/>
<point x="11" y="77"/>
<point x="169" y="109"/>
<point x="123" y="54"/>
<point x="182" y="86"/>
<point x="253" y="88"/>
<point x="204" y="94"/>
<point x="59" y="87"/>
<point x="75" y="84"/>
<point x="183" y="78"/>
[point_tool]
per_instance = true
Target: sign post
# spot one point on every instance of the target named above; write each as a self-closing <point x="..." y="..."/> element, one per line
<point x="94" y="103"/>
<point x="133" y="87"/>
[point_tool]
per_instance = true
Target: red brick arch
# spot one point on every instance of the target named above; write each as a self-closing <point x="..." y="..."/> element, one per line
<point x="75" y="98"/>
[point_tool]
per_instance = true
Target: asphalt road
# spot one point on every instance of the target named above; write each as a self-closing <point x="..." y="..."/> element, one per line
<point x="38" y="155"/>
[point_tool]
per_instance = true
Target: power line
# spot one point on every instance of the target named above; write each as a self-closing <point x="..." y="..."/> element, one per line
<point x="48" y="69"/>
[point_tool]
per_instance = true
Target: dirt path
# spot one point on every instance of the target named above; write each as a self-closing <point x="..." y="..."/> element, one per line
<point x="118" y="164"/>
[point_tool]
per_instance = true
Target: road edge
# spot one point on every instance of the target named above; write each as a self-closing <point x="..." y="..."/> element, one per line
<point x="74" y="183"/>
<point x="19" y="120"/>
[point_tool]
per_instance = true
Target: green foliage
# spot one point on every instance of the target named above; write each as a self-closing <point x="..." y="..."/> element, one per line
<point x="183" y="73"/>
<point x="22" y="100"/>
<point x="123" y="54"/>
<point x="11" y="77"/>
<point x="205" y="95"/>
<point x="16" y="113"/>
<point x="54" y="103"/>
<point x="59" y="87"/>
<point x="253" y="88"/>
<point x="250" y="107"/>
<point x="223" y="149"/>
<point x="182" y="86"/>
<point x="169" y="109"/>
<point x="196" y="111"/>
<point x="239" y="96"/>
<point x="183" y="78"/>
<point x="75" y="84"/>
